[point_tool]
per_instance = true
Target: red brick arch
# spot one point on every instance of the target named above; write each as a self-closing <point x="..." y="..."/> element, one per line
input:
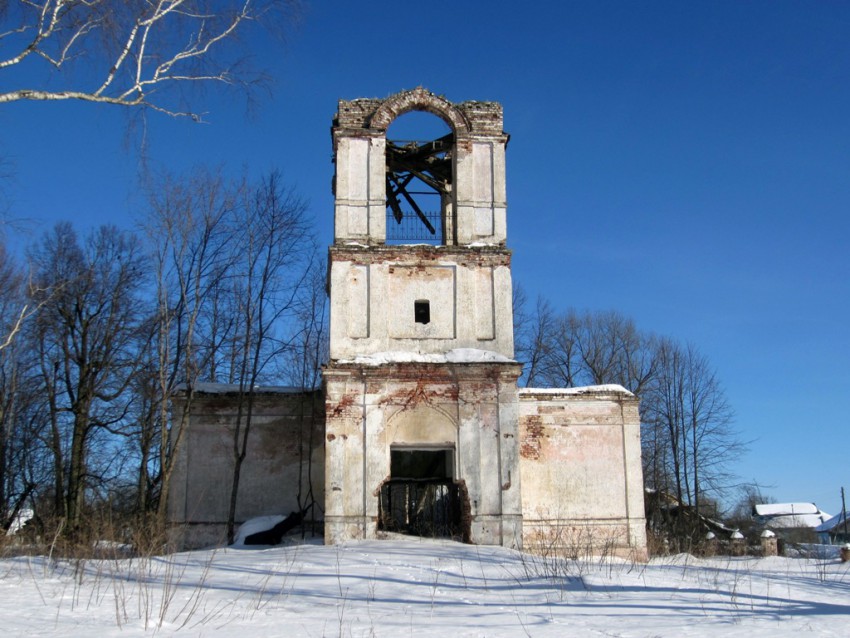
<point x="420" y="99"/>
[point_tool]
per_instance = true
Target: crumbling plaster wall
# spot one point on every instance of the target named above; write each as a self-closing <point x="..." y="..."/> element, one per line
<point x="469" y="408"/>
<point x="581" y="471"/>
<point x="279" y="456"/>
<point x="373" y="290"/>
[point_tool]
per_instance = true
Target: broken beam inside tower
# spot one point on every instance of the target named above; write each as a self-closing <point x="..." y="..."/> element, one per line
<point x="430" y="162"/>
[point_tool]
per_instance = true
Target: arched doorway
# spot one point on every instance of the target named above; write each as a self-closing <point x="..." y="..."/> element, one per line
<point x="421" y="497"/>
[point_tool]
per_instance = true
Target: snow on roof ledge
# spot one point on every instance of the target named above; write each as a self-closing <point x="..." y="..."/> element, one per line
<point x="458" y="355"/>
<point x="229" y="388"/>
<point x="609" y="388"/>
<point x="785" y="509"/>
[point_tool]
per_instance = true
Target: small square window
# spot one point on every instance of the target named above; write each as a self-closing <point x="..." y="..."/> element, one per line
<point x="422" y="311"/>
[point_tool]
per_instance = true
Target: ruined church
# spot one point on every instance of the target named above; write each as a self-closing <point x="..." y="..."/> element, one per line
<point x="421" y="427"/>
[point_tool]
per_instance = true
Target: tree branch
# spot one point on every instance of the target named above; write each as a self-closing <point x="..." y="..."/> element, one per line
<point x="159" y="43"/>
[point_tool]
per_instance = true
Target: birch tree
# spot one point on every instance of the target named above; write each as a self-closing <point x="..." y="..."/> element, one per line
<point x="131" y="53"/>
<point x="13" y="306"/>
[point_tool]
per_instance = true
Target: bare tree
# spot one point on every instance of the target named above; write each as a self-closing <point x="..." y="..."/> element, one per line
<point x="533" y="333"/>
<point x="189" y="226"/>
<point x="87" y="332"/>
<point x="612" y="350"/>
<point x="688" y="426"/>
<point x="238" y="297"/>
<point x="275" y="242"/>
<point x="13" y="316"/>
<point x="687" y="437"/>
<point x="302" y="369"/>
<point x="14" y="488"/>
<point x="22" y="471"/>
<point x="571" y="349"/>
<point x="742" y="511"/>
<point x="564" y="366"/>
<point x="134" y="53"/>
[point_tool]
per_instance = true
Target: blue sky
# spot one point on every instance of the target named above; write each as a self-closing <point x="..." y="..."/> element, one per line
<point x="683" y="163"/>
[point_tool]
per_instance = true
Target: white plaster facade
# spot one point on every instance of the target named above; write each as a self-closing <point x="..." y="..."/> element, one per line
<point x="373" y="290"/>
<point x="581" y="470"/>
<point x="467" y="408"/>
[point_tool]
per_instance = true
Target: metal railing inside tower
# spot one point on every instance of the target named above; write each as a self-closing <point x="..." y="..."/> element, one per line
<point x="412" y="227"/>
<point x="419" y="177"/>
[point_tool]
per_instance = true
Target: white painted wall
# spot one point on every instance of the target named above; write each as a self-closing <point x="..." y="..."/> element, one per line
<point x="581" y="470"/>
<point x="372" y="304"/>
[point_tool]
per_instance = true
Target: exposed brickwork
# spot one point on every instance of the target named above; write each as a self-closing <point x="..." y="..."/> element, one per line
<point x="464" y="256"/>
<point x="452" y="406"/>
<point x="343" y="407"/>
<point x="435" y="372"/>
<point x="580" y="461"/>
<point x="423" y="391"/>
<point x="420" y="99"/>
<point x="486" y="117"/>
<point x="466" y="119"/>
<point x="530" y="437"/>
<point x="355" y="114"/>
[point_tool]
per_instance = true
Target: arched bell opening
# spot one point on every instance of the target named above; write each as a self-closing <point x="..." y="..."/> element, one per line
<point x="420" y="150"/>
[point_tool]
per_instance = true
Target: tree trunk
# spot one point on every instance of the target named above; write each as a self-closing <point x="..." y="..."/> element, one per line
<point x="77" y="470"/>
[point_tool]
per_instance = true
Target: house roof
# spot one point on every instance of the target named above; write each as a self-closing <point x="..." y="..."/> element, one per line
<point x="796" y="521"/>
<point x="785" y="509"/>
<point x="790" y="515"/>
<point x="832" y="523"/>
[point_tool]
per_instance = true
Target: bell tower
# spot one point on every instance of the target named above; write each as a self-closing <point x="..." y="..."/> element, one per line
<point x="421" y="397"/>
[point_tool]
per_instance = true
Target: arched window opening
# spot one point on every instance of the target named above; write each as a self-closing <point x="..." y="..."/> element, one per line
<point x="419" y="180"/>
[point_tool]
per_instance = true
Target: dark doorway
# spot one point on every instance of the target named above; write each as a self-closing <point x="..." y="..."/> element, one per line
<point x="420" y="497"/>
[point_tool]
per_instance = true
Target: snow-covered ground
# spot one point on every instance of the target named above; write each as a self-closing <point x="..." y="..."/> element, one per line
<point x="422" y="588"/>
